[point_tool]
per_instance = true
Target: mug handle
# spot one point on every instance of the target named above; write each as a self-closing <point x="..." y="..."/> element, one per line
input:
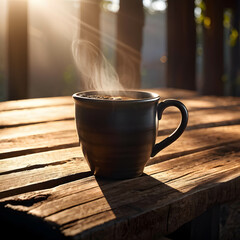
<point x="178" y="132"/>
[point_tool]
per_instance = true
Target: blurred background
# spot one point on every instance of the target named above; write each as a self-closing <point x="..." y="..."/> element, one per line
<point x="182" y="44"/>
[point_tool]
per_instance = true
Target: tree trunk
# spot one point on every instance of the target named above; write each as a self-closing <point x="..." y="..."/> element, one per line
<point x="17" y="49"/>
<point x="181" y="39"/>
<point x="213" y="49"/>
<point x="129" y="42"/>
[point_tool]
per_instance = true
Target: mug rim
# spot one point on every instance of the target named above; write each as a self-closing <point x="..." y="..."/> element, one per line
<point x="152" y="96"/>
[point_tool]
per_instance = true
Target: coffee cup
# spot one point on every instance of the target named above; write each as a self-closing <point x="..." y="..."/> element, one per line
<point x="117" y="132"/>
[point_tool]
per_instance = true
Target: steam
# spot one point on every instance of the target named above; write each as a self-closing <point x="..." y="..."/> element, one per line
<point x="96" y="72"/>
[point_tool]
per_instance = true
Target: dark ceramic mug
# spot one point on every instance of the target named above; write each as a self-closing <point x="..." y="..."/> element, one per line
<point x="118" y="136"/>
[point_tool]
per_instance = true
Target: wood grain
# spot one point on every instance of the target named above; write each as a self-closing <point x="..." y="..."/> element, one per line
<point x="34" y="168"/>
<point x="60" y="134"/>
<point x="44" y="112"/>
<point x="165" y="187"/>
<point x="51" y="176"/>
<point x="204" y="118"/>
<point x="44" y="176"/>
<point x="216" y="117"/>
<point x="191" y="141"/>
<point x="31" y="161"/>
<point x="35" y="103"/>
<point x="36" y="115"/>
<point x="38" y="143"/>
<point x="36" y="129"/>
<point x="67" y="100"/>
<point x="197" y="140"/>
<point x="155" y="192"/>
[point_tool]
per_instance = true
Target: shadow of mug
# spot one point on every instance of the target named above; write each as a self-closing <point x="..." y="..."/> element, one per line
<point x="118" y="133"/>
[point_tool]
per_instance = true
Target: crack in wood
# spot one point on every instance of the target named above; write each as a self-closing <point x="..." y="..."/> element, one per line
<point x="67" y="224"/>
<point x="37" y="122"/>
<point x="178" y="177"/>
<point x="72" y="206"/>
<point x="36" y="166"/>
<point x="220" y="165"/>
<point x="44" y="185"/>
<point x="37" y="150"/>
<point x="28" y="202"/>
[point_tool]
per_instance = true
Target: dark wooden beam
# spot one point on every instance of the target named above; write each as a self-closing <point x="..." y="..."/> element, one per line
<point x="235" y="53"/>
<point x="212" y="83"/>
<point x="181" y="41"/>
<point x="17" y="49"/>
<point x="230" y="3"/>
<point x="130" y="24"/>
<point x="90" y="21"/>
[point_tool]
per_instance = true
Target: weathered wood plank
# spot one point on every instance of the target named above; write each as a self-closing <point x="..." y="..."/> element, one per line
<point x="198" y="140"/>
<point x="63" y="112"/>
<point x="67" y="100"/>
<point x="31" y="161"/>
<point x="33" y="167"/>
<point x="60" y="134"/>
<point x="43" y="176"/>
<point x="56" y="186"/>
<point x="201" y="119"/>
<point x="66" y="136"/>
<point x="70" y="125"/>
<point x="35" y="129"/>
<point x="38" y="143"/>
<point x="148" y="223"/>
<point x="191" y="99"/>
<point x="193" y="168"/>
<point x="210" y="115"/>
<point x="205" y="102"/>
<point x="35" y="103"/>
<point x="36" y="115"/>
<point x="191" y="142"/>
<point x="159" y="192"/>
<point x="198" y="178"/>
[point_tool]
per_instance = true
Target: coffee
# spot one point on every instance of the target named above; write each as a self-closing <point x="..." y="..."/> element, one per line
<point x="107" y="97"/>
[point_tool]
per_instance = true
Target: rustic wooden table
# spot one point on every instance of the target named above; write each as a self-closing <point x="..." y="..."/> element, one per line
<point x="47" y="190"/>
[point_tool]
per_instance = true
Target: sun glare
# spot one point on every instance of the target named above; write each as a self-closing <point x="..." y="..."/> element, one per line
<point x="36" y="3"/>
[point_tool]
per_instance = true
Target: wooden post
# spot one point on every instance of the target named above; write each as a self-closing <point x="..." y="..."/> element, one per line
<point x="212" y="83"/>
<point x="90" y="21"/>
<point x="130" y="24"/>
<point x="17" y="49"/>
<point x="181" y="41"/>
<point x="235" y="51"/>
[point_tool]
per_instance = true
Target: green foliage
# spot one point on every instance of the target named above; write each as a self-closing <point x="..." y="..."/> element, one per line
<point x="200" y="11"/>
<point x="233" y="32"/>
<point x="227" y="19"/>
<point x="233" y="37"/>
